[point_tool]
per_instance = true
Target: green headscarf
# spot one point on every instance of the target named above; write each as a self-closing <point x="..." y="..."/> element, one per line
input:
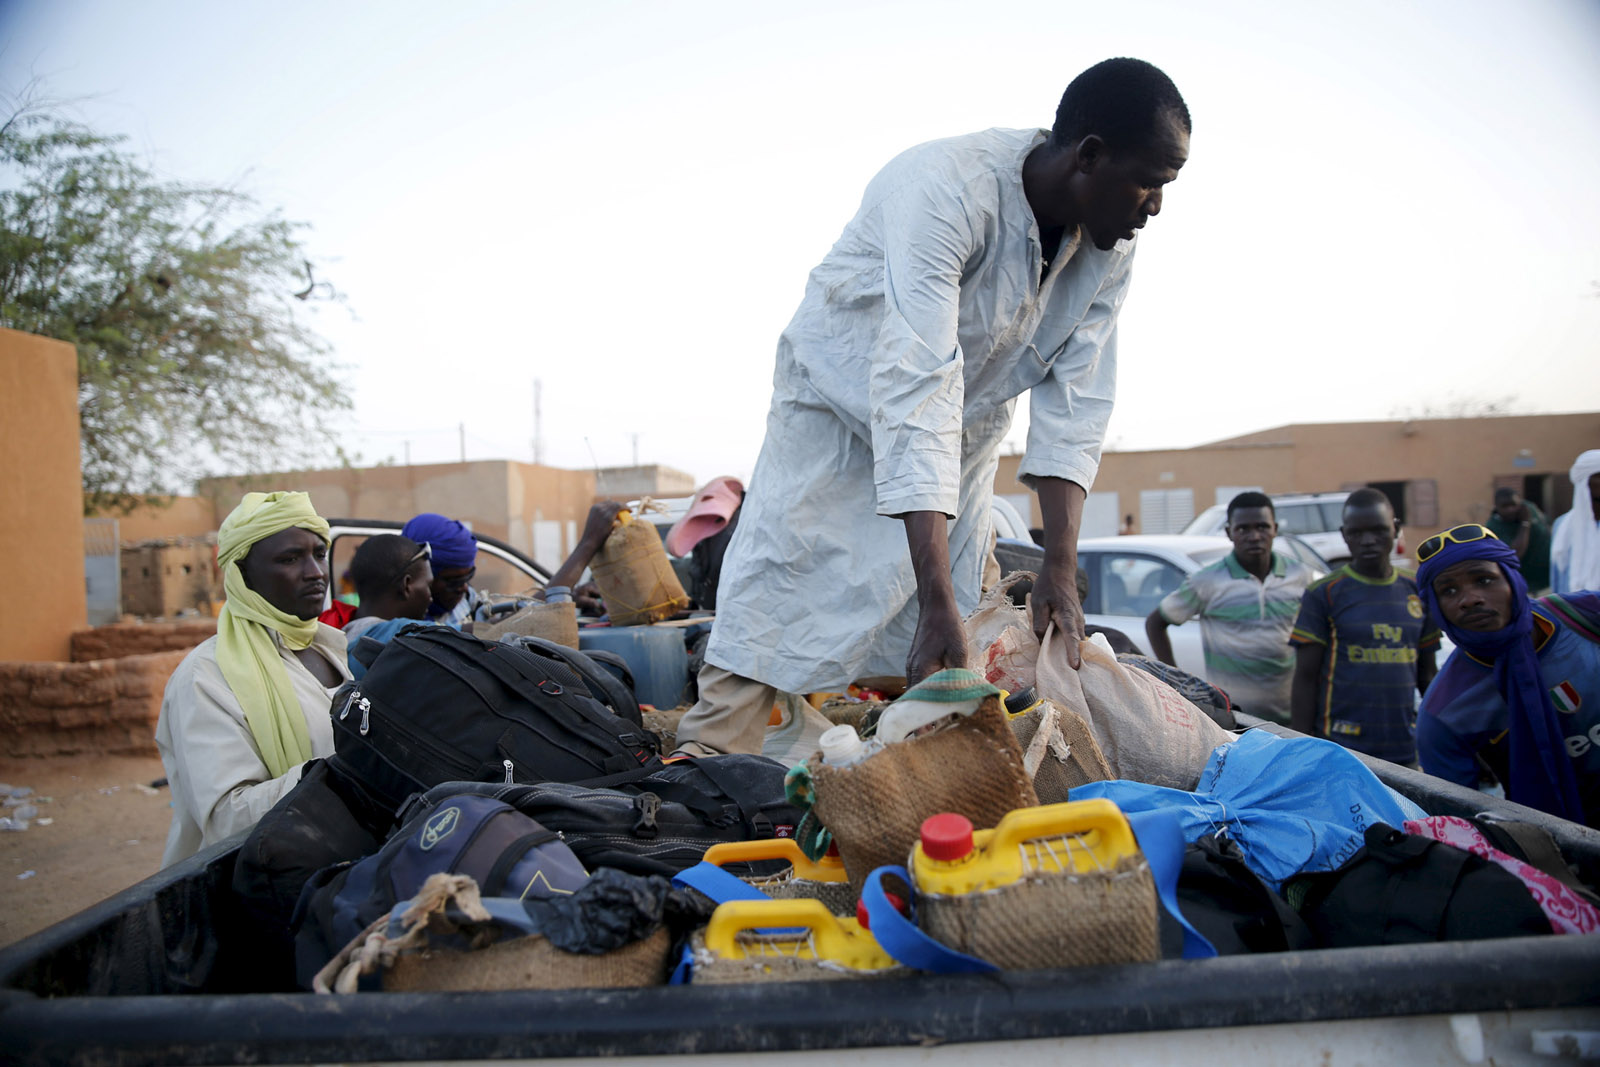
<point x="245" y="650"/>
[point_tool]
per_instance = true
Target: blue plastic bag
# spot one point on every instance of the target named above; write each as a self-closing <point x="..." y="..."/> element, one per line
<point x="1291" y="804"/>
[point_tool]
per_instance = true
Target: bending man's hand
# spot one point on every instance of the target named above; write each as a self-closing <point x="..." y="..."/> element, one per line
<point x="1055" y="600"/>
<point x="940" y="642"/>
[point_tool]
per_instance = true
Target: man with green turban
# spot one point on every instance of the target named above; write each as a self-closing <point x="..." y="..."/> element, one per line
<point x="247" y="708"/>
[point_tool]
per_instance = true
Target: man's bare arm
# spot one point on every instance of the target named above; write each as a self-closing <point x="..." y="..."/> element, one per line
<point x="940" y="642"/>
<point x="1155" y="629"/>
<point x="1308" y="661"/>
<point x="1055" y="593"/>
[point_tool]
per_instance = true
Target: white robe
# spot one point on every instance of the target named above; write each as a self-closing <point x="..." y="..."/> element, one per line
<point x="219" y="783"/>
<point x="894" y="387"/>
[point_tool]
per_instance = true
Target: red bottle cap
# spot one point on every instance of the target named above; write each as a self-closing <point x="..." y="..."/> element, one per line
<point x="895" y="899"/>
<point x="947" y="837"/>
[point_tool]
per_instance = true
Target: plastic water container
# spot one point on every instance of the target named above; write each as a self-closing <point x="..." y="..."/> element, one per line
<point x="1063" y="885"/>
<point x="1075" y="838"/>
<point x="654" y="654"/>
<point x="822" y="938"/>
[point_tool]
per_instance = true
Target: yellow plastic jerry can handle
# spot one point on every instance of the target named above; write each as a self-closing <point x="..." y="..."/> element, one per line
<point x="778" y="848"/>
<point x="838" y="940"/>
<point x="1102" y="838"/>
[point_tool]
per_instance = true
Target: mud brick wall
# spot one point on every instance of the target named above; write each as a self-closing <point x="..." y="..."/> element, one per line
<point x="105" y="707"/>
<point x="121" y="639"/>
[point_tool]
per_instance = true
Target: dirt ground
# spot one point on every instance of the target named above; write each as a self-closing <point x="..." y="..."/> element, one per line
<point x="105" y="833"/>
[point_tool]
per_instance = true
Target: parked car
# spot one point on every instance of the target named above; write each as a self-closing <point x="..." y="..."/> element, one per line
<point x="1312" y="516"/>
<point x="502" y="568"/>
<point x="1128" y="576"/>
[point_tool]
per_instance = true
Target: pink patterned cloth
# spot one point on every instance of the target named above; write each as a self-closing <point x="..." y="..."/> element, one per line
<point x="1568" y="913"/>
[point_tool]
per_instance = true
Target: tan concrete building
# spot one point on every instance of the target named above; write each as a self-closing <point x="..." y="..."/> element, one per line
<point x="1438" y="472"/>
<point x="41" y="531"/>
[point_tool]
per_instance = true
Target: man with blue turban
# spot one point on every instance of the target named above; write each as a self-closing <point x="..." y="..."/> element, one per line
<point x="455" y="563"/>
<point x="1522" y="689"/>
<point x="247" y="708"/>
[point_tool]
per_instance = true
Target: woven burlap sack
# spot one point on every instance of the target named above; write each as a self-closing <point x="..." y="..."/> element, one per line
<point x="553" y="622"/>
<point x="773" y="959"/>
<point x="837" y="897"/>
<point x="876" y="808"/>
<point x="1052" y="919"/>
<point x="635" y="576"/>
<point x="1147" y="730"/>
<point x="528" y="963"/>
<point x="1058" y="751"/>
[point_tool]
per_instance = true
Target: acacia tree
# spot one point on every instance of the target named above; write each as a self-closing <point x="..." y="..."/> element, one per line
<point x="186" y="304"/>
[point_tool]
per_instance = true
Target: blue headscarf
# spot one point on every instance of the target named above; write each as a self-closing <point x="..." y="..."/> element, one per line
<point x="451" y="542"/>
<point x="1541" y="772"/>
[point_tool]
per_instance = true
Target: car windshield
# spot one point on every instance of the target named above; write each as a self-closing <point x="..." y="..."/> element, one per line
<point x="1208" y="520"/>
<point x="1204" y="556"/>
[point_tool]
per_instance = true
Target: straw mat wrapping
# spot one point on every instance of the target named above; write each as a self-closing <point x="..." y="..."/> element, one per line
<point x="876" y="808"/>
<point x="1052" y="919"/>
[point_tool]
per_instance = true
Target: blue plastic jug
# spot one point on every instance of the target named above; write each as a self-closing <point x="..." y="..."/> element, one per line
<point x="655" y="654"/>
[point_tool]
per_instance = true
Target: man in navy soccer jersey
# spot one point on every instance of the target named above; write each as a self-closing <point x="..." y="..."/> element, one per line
<point x="1522" y="689"/>
<point x="1363" y="643"/>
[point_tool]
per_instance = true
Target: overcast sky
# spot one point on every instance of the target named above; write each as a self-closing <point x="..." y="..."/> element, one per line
<point x="1388" y="207"/>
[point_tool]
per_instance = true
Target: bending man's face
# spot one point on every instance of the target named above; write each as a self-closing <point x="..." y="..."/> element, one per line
<point x="1474" y="595"/>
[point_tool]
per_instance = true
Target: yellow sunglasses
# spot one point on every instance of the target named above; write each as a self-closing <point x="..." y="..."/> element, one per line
<point x="1461" y="535"/>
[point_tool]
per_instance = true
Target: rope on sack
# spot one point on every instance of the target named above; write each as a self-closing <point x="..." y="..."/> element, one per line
<point x="373" y="949"/>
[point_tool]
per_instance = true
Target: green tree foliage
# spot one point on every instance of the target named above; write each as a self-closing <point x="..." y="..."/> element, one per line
<point x="186" y="304"/>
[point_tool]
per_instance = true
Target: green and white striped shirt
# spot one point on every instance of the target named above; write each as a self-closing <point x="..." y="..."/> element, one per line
<point x="1244" y="628"/>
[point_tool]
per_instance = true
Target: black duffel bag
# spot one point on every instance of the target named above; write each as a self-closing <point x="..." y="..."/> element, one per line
<point x="443" y="706"/>
<point x="659" y="822"/>
<point x="1404" y="889"/>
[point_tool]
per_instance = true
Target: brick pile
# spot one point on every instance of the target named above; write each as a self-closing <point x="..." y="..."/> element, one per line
<point x="106" y="707"/>
<point x="139" y="638"/>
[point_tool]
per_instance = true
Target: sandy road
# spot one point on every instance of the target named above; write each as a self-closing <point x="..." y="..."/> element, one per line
<point x="104" y="834"/>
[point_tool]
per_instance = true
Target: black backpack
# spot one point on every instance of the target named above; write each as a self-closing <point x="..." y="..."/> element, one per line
<point x="322" y="821"/>
<point x="443" y="706"/>
<point x="659" y="823"/>
<point x="1403" y="889"/>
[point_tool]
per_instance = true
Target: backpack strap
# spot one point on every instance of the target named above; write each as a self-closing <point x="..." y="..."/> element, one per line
<point x="606" y="687"/>
<point x="520" y="669"/>
<point x="1571" y="615"/>
<point x="1534" y="846"/>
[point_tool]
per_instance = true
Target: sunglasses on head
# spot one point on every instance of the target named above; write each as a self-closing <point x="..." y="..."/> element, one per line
<point x="1460" y="535"/>
<point x="425" y="552"/>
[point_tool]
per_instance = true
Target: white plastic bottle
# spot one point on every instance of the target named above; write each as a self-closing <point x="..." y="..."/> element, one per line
<point x="843" y="747"/>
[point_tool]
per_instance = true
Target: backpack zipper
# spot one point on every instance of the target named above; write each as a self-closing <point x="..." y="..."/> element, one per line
<point x="510" y="778"/>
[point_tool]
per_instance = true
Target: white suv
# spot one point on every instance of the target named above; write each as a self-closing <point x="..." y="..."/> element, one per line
<point x="1314" y="517"/>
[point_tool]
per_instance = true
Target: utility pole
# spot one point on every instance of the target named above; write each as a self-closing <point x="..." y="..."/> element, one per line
<point x="463" y="431"/>
<point x="635" y="449"/>
<point x="408" y="453"/>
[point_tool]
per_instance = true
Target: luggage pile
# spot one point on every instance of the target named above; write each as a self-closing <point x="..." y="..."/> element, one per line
<point x="497" y="816"/>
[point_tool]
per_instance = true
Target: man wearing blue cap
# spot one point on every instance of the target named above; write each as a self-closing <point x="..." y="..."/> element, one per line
<point x="455" y="563"/>
<point x="1522" y="689"/>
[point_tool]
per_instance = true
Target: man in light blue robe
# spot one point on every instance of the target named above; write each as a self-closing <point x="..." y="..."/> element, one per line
<point x="977" y="268"/>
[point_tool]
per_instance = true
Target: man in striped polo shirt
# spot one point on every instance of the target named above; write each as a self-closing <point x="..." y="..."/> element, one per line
<point x="1364" y="646"/>
<point x="1247" y="602"/>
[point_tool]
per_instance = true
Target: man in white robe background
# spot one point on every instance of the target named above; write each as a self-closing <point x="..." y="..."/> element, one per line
<point x="977" y="268"/>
